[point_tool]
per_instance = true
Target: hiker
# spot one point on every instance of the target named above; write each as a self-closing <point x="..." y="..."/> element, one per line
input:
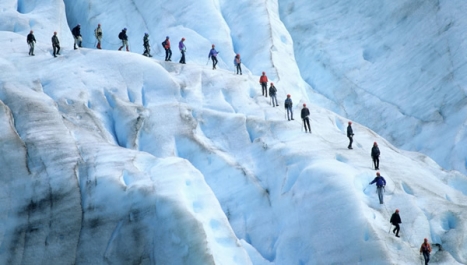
<point x="77" y="36"/>
<point x="350" y="134"/>
<point x="182" y="48"/>
<point x="147" y="47"/>
<point x="55" y="44"/>
<point x="238" y="63"/>
<point x="395" y="221"/>
<point x="263" y="80"/>
<point x="288" y="106"/>
<point x="124" y="38"/>
<point x="213" y="55"/>
<point x="168" y="51"/>
<point x="425" y="249"/>
<point x="272" y="93"/>
<point x="306" y="117"/>
<point x="380" y="184"/>
<point x="375" y="155"/>
<point x="98" y="34"/>
<point x="30" y="39"/>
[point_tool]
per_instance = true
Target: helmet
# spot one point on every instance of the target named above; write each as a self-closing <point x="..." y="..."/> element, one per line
<point x="350" y="122"/>
<point x="304" y="105"/>
<point x="425" y="239"/>
<point x="167" y="37"/>
<point x="375" y="143"/>
<point x="79" y="25"/>
<point x="288" y="95"/>
<point x="55" y="33"/>
<point x="146" y="34"/>
<point x="183" y="38"/>
<point x="98" y="25"/>
<point x="272" y="83"/>
<point x="377" y="173"/>
<point x="124" y="29"/>
<point x="264" y="73"/>
<point x="31" y="31"/>
<point x="213" y="45"/>
<point x="397" y="210"/>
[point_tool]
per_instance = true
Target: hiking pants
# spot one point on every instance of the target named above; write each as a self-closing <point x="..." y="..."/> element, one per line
<point x="265" y="90"/>
<point x="376" y="161"/>
<point x="380" y="191"/>
<point x="274" y="98"/>
<point x="289" y="109"/>
<point x="56" y="49"/>
<point x="397" y="229"/>
<point x="182" y="60"/>
<point x="350" y="141"/>
<point x="31" y="48"/>
<point x="168" y="54"/>
<point x="214" y="61"/>
<point x="305" y="122"/>
<point x="426" y="256"/>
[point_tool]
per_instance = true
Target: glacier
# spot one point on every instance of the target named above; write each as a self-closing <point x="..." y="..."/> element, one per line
<point x="110" y="157"/>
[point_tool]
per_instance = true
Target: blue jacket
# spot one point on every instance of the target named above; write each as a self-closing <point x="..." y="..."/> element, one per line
<point x="213" y="53"/>
<point x="288" y="103"/>
<point x="380" y="181"/>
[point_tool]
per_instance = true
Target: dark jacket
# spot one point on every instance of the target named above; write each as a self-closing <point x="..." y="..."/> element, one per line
<point x="288" y="103"/>
<point x="375" y="151"/>
<point x="305" y="113"/>
<point x="146" y="40"/>
<point x="395" y="219"/>
<point x="76" y="31"/>
<point x="349" y="131"/>
<point x="272" y="90"/>
<point x="123" y="35"/>
<point x="30" y="38"/>
<point x="380" y="181"/>
<point x="55" y="41"/>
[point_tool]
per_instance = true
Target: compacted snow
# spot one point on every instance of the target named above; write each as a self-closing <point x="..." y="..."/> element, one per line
<point x="111" y="157"/>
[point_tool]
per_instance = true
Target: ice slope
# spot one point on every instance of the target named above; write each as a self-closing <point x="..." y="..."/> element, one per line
<point x="396" y="66"/>
<point x="100" y="135"/>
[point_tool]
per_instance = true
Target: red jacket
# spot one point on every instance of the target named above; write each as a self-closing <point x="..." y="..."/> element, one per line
<point x="263" y="79"/>
<point x="167" y="44"/>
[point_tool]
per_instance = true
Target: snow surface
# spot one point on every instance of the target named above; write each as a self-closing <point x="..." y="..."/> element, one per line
<point x="112" y="157"/>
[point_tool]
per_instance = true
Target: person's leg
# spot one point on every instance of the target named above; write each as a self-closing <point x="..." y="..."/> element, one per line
<point x="377" y="162"/>
<point x="166" y="54"/>
<point x="397" y="229"/>
<point x="121" y="47"/>
<point x="291" y="113"/>
<point x="58" y="49"/>
<point x="54" y="49"/>
<point x="170" y="55"/>
<point x="380" y="194"/>
<point x="304" y="124"/>
<point x="426" y="255"/>
<point x="288" y="116"/>
<point x="308" y="122"/>
<point x="374" y="162"/>
<point x="127" y="47"/>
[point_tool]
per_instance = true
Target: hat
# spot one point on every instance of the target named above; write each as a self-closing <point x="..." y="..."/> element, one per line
<point x="146" y="34"/>
<point x="264" y="73"/>
<point x="425" y="239"/>
<point x="98" y="25"/>
<point x="124" y="29"/>
<point x="377" y="173"/>
<point x="272" y="83"/>
<point x="213" y="45"/>
<point x="288" y="95"/>
<point x="31" y="31"/>
<point x="167" y="37"/>
<point x="350" y="122"/>
<point x="79" y="25"/>
<point x="183" y="38"/>
<point x="397" y="210"/>
<point x="304" y="105"/>
<point x="55" y="32"/>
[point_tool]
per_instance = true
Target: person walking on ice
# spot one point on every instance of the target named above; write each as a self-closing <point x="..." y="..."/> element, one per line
<point x="238" y="63"/>
<point x="375" y="155"/>
<point x="395" y="221"/>
<point x="182" y="48"/>
<point x="288" y="106"/>
<point x="263" y="80"/>
<point x="147" y="47"/>
<point x="124" y="38"/>
<point x="306" y="117"/>
<point x="77" y="36"/>
<point x="168" y="51"/>
<point x="380" y="184"/>
<point x="213" y="56"/>
<point x="30" y="39"/>
<point x="55" y="44"/>
<point x="425" y="249"/>
<point x="350" y="134"/>
<point x="272" y="93"/>
<point x="98" y="35"/>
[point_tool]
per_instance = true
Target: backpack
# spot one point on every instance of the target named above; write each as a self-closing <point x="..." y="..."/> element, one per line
<point x="120" y="35"/>
<point x="163" y="44"/>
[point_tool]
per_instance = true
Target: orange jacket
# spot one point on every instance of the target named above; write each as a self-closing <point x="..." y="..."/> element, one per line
<point x="167" y="44"/>
<point x="263" y="79"/>
<point x="425" y="248"/>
